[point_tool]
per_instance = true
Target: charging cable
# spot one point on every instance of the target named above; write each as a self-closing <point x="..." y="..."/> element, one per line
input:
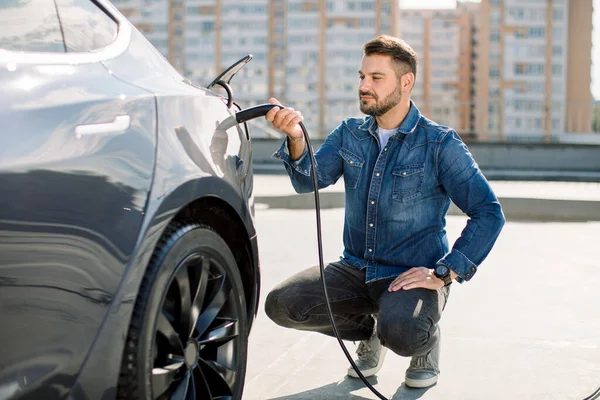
<point x="260" y="111"/>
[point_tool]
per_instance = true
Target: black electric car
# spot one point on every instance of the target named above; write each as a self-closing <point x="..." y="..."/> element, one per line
<point x="128" y="254"/>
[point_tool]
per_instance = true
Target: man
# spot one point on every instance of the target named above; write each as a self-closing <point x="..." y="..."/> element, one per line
<point x="400" y="171"/>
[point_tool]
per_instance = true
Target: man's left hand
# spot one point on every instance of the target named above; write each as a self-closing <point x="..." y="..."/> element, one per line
<point x="416" y="277"/>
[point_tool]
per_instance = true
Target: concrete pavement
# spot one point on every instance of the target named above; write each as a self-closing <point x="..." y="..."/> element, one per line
<point x="526" y="326"/>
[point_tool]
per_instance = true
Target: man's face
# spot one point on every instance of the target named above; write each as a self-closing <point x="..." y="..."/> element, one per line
<point x="379" y="90"/>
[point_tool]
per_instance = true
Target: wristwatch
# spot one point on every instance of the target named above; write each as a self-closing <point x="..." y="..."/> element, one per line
<point x="443" y="272"/>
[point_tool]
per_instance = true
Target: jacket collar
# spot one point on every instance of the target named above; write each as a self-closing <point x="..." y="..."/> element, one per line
<point x="408" y="125"/>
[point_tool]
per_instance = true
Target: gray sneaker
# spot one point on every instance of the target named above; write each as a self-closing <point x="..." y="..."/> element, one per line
<point x="370" y="357"/>
<point x="424" y="370"/>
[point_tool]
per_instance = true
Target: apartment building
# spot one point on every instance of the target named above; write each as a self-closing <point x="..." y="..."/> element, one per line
<point x="443" y="40"/>
<point x="533" y="69"/>
<point x="496" y="70"/>
<point x="323" y="50"/>
<point x="306" y="52"/>
<point x="345" y="27"/>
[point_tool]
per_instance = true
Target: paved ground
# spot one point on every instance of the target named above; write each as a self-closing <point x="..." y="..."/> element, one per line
<point x="526" y="327"/>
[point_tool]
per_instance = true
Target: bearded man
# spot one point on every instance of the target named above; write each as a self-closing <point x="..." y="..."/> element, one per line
<point x="401" y="171"/>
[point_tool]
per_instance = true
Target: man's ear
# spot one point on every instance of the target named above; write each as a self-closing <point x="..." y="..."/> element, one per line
<point x="407" y="82"/>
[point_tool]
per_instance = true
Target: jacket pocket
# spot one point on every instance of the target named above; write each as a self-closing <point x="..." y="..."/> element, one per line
<point x="408" y="182"/>
<point x="352" y="168"/>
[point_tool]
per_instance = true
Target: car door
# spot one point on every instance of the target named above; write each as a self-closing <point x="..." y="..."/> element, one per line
<point x="77" y="152"/>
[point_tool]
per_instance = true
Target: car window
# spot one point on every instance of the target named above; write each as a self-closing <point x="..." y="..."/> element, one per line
<point x="30" y="25"/>
<point x="85" y="25"/>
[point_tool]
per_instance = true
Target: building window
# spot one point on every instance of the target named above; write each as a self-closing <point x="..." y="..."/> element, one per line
<point x="536" y="32"/>
<point x="536" y="87"/>
<point x="535" y="69"/>
<point x="556" y="69"/>
<point x="558" y="14"/>
<point x="493" y="108"/>
<point x="494" y="72"/>
<point x="537" y="14"/>
<point x="517" y="13"/>
<point x="495" y="35"/>
<point x="520" y="69"/>
<point x="529" y="69"/>
<point x="557" y="50"/>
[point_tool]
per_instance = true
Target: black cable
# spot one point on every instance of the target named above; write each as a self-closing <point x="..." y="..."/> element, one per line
<point x="315" y="180"/>
<point x="229" y="91"/>
<point x="594" y="395"/>
<point x="259" y="111"/>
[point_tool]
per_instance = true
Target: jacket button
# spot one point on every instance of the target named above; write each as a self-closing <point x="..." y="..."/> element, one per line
<point x="370" y="250"/>
<point x="377" y="174"/>
<point x="371" y="225"/>
<point x="351" y="162"/>
<point x="372" y="202"/>
<point x="404" y="174"/>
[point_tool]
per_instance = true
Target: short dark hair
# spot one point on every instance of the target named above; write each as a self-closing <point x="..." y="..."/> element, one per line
<point x="403" y="56"/>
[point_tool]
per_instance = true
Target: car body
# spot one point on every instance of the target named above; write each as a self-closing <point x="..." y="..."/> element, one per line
<point x="103" y="145"/>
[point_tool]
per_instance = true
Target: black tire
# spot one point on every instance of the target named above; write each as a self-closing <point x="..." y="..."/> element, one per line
<point x="160" y="354"/>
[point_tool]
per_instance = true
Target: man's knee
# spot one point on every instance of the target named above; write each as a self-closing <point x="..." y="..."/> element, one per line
<point x="406" y="338"/>
<point x="278" y="308"/>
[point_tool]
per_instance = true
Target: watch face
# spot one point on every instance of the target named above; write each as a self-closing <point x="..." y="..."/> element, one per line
<point x="441" y="270"/>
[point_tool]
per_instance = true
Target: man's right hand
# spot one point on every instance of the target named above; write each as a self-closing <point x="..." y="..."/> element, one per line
<point x="286" y="120"/>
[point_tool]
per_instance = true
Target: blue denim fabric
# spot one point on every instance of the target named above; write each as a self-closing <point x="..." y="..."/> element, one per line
<point x="396" y="200"/>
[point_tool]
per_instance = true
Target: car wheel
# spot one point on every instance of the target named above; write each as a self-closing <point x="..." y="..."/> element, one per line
<point x="187" y="337"/>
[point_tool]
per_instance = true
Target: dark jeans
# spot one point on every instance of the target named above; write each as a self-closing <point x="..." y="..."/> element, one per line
<point x="406" y="319"/>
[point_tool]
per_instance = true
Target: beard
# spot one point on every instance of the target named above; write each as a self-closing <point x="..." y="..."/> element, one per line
<point x="380" y="107"/>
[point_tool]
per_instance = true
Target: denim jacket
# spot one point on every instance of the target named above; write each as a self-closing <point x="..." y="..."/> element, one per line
<point x="396" y="199"/>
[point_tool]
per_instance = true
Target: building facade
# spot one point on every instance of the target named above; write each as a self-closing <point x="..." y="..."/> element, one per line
<point x="443" y="40"/>
<point x="533" y="69"/>
<point x="305" y="52"/>
<point x="498" y="70"/>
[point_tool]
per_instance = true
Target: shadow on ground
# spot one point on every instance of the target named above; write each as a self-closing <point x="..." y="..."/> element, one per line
<point x="344" y="389"/>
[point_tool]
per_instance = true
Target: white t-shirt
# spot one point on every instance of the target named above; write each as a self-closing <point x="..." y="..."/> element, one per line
<point x="384" y="135"/>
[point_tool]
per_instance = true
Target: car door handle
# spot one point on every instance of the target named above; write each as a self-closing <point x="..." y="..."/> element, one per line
<point x="118" y="126"/>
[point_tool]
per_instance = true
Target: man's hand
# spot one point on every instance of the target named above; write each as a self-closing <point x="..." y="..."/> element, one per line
<point x="285" y="120"/>
<point x="417" y="277"/>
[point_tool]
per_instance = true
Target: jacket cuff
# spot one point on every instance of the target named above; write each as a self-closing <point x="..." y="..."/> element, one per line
<point x="459" y="263"/>
<point x="301" y="165"/>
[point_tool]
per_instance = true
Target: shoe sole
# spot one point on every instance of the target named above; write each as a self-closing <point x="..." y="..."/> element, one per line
<point x="421" y="383"/>
<point x="371" y="371"/>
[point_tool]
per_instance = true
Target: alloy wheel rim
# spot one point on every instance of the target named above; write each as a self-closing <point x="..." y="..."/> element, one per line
<point x="196" y="337"/>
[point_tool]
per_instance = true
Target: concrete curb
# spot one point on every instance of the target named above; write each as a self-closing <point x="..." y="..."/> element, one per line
<point x="515" y="209"/>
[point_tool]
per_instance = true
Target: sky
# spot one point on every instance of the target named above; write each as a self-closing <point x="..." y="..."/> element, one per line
<point x="595" y="33"/>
